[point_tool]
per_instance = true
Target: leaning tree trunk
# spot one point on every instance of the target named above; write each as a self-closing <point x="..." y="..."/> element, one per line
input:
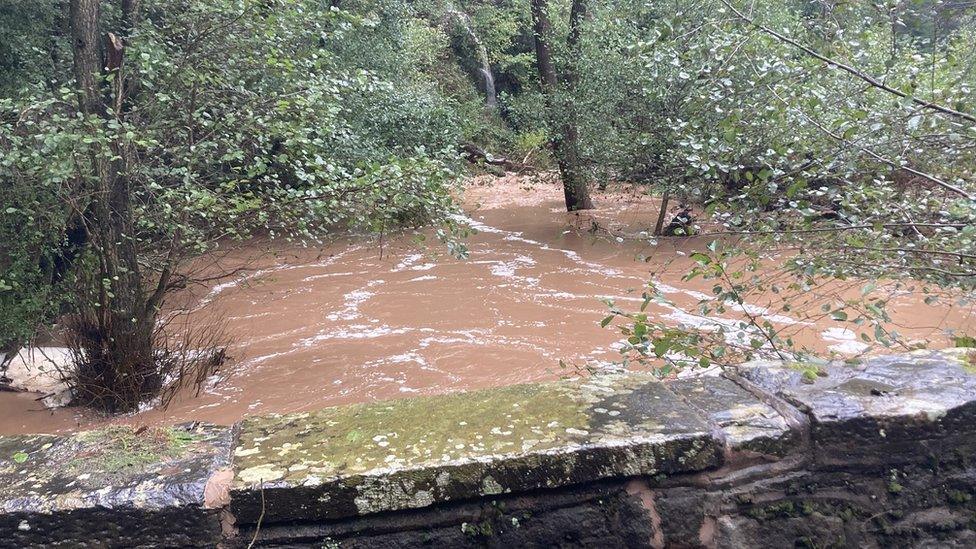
<point x="566" y="144"/>
<point x="659" y="226"/>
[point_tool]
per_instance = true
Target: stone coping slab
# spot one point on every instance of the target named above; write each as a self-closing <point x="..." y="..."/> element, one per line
<point x="54" y="486"/>
<point x="170" y="487"/>
<point x="745" y="422"/>
<point x="412" y="453"/>
<point x="872" y="406"/>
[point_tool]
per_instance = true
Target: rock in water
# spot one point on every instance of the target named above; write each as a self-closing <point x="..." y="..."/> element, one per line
<point x="681" y="224"/>
<point x="42" y="370"/>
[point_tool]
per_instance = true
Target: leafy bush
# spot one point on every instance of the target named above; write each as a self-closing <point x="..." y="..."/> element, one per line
<point x="227" y="120"/>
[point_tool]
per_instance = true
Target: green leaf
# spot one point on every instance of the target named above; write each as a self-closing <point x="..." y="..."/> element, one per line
<point x="20" y="457"/>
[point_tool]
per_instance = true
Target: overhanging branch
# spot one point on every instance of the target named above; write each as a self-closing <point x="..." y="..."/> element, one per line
<point x="849" y="69"/>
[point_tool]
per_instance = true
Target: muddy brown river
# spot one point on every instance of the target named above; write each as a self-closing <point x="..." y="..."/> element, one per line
<point x="356" y="322"/>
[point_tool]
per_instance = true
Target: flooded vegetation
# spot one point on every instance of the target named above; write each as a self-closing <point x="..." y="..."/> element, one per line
<point x="504" y="273"/>
<point x="359" y="320"/>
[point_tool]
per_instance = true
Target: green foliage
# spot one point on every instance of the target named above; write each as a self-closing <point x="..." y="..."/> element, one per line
<point x="31" y="47"/>
<point x="776" y="146"/>
<point x="34" y="169"/>
<point x="297" y="118"/>
<point x="245" y="118"/>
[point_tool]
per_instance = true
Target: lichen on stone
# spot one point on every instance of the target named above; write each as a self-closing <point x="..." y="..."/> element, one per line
<point x="413" y="452"/>
<point x="117" y="465"/>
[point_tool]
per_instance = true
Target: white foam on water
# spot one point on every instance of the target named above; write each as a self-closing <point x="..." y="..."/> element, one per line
<point x="846" y="341"/>
<point x="332" y="275"/>
<point x="355" y="331"/>
<point x="353" y="300"/>
<point x="407" y="262"/>
<point x="513" y="236"/>
<point x="508" y="269"/>
<point x="218" y="289"/>
<point x="748" y="308"/>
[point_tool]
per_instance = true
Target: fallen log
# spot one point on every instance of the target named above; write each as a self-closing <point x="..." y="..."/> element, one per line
<point x="475" y="154"/>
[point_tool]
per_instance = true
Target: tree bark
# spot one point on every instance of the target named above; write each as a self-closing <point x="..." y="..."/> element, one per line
<point x="577" y="14"/>
<point x="130" y="16"/>
<point x="84" y="16"/>
<point x="118" y="329"/>
<point x="566" y="145"/>
<point x="659" y="226"/>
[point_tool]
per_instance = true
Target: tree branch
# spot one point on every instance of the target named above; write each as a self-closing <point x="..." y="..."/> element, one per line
<point x="851" y="70"/>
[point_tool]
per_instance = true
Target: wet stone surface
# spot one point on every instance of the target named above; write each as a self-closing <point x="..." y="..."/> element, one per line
<point x="364" y="459"/>
<point x="885" y="410"/>
<point x="106" y="484"/>
<point x="878" y="455"/>
<point x="746" y="423"/>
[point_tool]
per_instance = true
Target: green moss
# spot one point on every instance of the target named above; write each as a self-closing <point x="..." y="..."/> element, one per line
<point x="958" y="496"/>
<point x="364" y="437"/>
<point x="790" y="509"/>
<point x="964" y="341"/>
<point x="969" y="362"/>
<point x="744" y="498"/>
<point x="808" y="370"/>
<point x="847" y="513"/>
<point x="115" y="449"/>
<point x="411" y="453"/>
<point x="894" y="487"/>
<point x="782" y="509"/>
<point x="405" y="433"/>
<point x="480" y="529"/>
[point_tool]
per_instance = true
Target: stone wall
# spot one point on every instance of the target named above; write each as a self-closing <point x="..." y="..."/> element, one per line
<point x="847" y="455"/>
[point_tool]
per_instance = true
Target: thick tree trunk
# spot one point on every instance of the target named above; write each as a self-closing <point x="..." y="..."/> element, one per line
<point x="565" y="145"/>
<point x="130" y="16"/>
<point x="111" y="210"/>
<point x="577" y="14"/>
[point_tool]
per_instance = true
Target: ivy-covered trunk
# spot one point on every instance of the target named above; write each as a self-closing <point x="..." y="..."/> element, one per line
<point x="566" y="144"/>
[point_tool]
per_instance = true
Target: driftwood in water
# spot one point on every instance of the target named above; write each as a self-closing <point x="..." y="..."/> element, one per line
<point x="476" y="154"/>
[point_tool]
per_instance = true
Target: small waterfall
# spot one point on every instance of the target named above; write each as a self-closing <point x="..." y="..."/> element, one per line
<point x="464" y="21"/>
<point x="491" y="99"/>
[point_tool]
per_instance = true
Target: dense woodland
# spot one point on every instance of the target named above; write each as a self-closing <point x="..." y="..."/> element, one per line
<point x="137" y="136"/>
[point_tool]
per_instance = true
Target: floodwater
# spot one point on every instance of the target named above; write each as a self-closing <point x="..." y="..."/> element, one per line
<point x="360" y="321"/>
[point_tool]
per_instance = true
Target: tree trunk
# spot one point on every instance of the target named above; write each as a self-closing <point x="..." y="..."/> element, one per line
<point x="84" y="16"/>
<point x="118" y="367"/>
<point x="577" y="14"/>
<point x="566" y="145"/>
<point x="659" y="226"/>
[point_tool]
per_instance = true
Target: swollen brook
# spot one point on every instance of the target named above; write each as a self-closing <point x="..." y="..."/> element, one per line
<point x="359" y="321"/>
